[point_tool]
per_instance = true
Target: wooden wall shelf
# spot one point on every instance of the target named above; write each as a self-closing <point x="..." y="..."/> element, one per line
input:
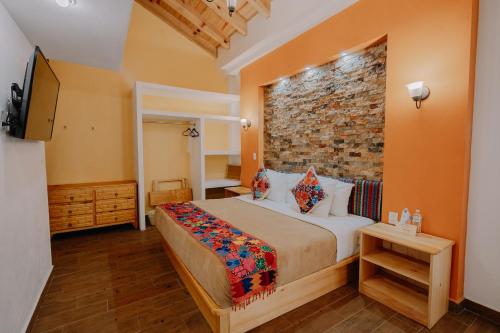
<point x="410" y="274"/>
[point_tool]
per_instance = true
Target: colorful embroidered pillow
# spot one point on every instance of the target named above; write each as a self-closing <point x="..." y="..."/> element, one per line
<point x="260" y="185"/>
<point x="308" y="192"/>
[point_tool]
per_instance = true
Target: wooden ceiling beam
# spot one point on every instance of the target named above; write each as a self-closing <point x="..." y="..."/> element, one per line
<point x="236" y="20"/>
<point x="154" y="8"/>
<point x="194" y="17"/>
<point x="261" y="7"/>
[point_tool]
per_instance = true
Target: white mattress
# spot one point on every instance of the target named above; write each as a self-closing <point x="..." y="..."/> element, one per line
<point x="215" y="183"/>
<point x="344" y="228"/>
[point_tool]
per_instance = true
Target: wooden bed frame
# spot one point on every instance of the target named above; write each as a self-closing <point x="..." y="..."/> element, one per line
<point x="285" y="299"/>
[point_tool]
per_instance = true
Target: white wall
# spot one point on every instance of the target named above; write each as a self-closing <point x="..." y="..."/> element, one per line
<point x="289" y="19"/>
<point x="25" y="258"/>
<point x="482" y="269"/>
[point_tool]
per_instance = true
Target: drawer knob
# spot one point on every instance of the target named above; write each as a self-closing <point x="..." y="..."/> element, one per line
<point x="71" y="198"/>
<point x="70" y="224"/>
<point x="115" y="206"/>
<point x="70" y="211"/>
<point x="116" y="218"/>
<point x="116" y="194"/>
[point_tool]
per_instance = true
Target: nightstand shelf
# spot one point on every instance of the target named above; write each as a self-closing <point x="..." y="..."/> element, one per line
<point x="406" y="300"/>
<point x="406" y="266"/>
<point x="410" y="274"/>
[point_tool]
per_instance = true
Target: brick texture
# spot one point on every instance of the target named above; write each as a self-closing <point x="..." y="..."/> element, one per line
<point x="331" y="116"/>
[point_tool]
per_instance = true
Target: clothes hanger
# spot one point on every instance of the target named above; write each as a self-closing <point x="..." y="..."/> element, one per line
<point x="194" y="133"/>
<point x="187" y="132"/>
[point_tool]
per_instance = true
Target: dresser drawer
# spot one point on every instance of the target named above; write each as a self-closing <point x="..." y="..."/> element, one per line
<point x="70" y="195"/>
<point x="71" y="222"/>
<point x="115" y="192"/>
<point x="116" y="217"/>
<point x="112" y="205"/>
<point x="71" y="209"/>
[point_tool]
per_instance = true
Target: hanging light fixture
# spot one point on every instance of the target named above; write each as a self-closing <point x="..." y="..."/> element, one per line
<point x="231" y="5"/>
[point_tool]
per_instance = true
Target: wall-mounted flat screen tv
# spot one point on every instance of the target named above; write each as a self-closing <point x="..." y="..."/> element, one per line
<point x="35" y="104"/>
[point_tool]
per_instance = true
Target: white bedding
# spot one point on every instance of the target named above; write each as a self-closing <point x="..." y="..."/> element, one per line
<point x="344" y="228"/>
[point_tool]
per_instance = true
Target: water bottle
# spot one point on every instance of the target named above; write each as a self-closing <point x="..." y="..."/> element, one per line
<point x="417" y="220"/>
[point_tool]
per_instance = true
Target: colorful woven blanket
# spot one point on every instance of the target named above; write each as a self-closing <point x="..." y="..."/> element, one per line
<point x="250" y="263"/>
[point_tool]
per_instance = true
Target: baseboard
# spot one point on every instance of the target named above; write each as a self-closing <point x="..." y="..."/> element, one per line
<point x="455" y="307"/>
<point x="482" y="311"/>
<point x="29" y="324"/>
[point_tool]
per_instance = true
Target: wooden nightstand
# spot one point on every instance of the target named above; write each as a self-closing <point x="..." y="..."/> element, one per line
<point x="236" y="191"/>
<point x="410" y="274"/>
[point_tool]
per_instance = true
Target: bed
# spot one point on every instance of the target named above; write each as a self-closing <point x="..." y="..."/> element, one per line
<point x="309" y="267"/>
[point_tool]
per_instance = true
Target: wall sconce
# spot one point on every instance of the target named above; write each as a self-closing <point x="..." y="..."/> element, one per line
<point x="418" y="92"/>
<point x="246" y="124"/>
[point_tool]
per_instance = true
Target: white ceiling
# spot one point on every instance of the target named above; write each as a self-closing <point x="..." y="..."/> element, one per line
<point x="289" y="19"/>
<point x="92" y="32"/>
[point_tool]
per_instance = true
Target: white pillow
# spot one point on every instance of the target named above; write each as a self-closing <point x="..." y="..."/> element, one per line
<point x="279" y="185"/>
<point x="326" y="180"/>
<point x="341" y="198"/>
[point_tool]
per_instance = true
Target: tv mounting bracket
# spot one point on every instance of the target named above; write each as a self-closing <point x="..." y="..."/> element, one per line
<point x="14" y="105"/>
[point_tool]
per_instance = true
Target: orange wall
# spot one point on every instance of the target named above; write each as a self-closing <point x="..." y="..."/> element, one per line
<point x="161" y="162"/>
<point x="426" y="162"/>
<point x="154" y="52"/>
<point x="90" y="97"/>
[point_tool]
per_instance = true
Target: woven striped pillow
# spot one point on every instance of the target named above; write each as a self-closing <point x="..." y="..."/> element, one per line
<point x="366" y="198"/>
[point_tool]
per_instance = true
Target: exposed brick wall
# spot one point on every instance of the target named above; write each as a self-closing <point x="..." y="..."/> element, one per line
<point x="331" y="116"/>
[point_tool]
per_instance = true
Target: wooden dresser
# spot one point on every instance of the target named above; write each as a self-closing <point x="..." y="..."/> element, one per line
<point x="86" y="206"/>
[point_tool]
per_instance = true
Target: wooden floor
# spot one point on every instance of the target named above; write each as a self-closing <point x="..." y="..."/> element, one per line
<point x="119" y="280"/>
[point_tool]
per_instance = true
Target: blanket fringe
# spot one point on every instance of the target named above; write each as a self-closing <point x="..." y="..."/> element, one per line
<point x="242" y="305"/>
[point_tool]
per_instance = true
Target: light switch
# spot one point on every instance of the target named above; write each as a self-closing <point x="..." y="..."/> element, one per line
<point x="255" y="156"/>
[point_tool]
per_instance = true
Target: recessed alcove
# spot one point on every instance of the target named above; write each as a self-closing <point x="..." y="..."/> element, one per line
<point x="331" y="116"/>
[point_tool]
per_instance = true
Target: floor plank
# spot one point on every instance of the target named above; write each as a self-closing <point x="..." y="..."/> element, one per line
<point x="119" y="280"/>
